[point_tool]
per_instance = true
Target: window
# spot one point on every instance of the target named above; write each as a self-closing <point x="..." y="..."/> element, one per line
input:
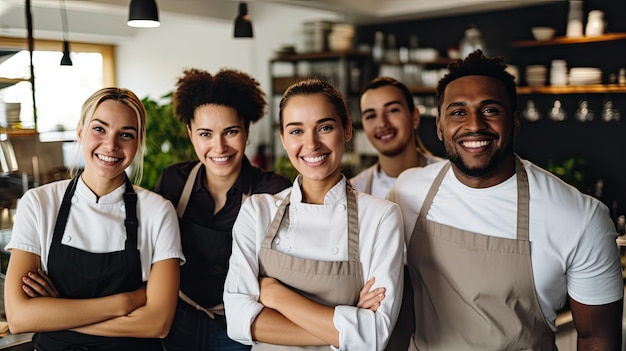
<point x="59" y="90"/>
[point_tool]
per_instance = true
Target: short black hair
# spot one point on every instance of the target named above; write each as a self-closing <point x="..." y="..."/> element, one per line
<point x="477" y="64"/>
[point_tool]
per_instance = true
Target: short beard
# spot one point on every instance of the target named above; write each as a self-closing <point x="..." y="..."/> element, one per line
<point x="480" y="172"/>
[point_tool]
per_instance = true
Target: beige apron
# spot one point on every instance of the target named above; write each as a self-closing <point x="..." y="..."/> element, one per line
<point x="473" y="291"/>
<point x="330" y="283"/>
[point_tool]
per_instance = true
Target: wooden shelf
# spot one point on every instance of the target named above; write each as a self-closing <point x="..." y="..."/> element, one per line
<point x="572" y="89"/>
<point x="422" y="90"/>
<point x="17" y="132"/>
<point x="7" y="82"/>
<point x="566" y="40"/>
<point x="321" y="56"/>
<point x="438" y="62"/>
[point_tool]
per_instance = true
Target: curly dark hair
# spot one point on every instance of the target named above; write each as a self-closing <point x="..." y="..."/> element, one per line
<point x="228" y="87"/>
<point x="477" y="64"/>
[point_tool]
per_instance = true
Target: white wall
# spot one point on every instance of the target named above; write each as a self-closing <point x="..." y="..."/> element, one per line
<point x="150" y="62"/>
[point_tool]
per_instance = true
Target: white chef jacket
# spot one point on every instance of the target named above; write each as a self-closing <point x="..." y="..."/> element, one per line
<point x="319" y="232"/>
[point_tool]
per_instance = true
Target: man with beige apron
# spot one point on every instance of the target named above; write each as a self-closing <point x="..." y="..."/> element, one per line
<point x="452" y="312"/>
<point x="495" y="244"/>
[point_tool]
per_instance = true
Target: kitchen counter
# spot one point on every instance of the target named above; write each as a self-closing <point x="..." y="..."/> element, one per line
<point x="16" y="342"/>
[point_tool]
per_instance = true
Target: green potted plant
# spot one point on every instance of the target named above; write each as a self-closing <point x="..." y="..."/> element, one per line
<point x="167" y="141"/>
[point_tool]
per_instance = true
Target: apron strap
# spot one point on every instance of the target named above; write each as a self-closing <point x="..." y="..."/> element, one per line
<point x="211" y="312"/>
<point x="433" y="190"/>
<point x="278" y="218"/>
<point x="523" y="201"/>
<point x="353" y="224"/>
<point x="523" y="197"/>
<point x="64" y="211"/>
<point x="370" y="179"/>
<point x="184" y="196"/>
<point x="131" y="223"/>
<point x="352" y="218"/>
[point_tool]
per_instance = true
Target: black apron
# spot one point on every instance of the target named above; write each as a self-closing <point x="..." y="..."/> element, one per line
<point x="78" y="274"/>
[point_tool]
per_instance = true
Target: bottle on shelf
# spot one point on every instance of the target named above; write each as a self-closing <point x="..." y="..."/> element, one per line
<point x="609" y="113"/>
<point x="471" y="42"/>
<point x="557" y="112"/>
<point x="530" y="112"/>
<point x="575" y="19"/>
<point x="378" y="49"/>
<point x="413" y="48"/>
<point x="392" y="55"/>
<point x="583" y="113"/>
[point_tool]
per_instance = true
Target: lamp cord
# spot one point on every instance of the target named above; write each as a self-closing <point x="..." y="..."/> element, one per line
<point x="64" y="20"/>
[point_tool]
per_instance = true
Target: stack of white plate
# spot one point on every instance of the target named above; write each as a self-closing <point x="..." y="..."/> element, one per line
<point x="536" y="75"/>
<point x="585" y="76"/>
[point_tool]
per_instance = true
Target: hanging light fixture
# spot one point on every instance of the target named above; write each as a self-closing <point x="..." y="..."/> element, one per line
<point x="143" y="14"/>
<point x="243" y="23"/>
<point x="65" y="60"/>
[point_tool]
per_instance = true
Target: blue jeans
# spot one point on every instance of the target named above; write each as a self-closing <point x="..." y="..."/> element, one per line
<point x="193" y="330"/>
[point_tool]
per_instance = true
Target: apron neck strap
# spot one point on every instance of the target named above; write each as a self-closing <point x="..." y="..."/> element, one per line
<point x="352" y="218"/>
<point x="523" y="197"/>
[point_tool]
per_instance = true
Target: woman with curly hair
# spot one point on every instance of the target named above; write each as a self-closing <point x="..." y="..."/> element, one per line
<point x="217" y="110"/>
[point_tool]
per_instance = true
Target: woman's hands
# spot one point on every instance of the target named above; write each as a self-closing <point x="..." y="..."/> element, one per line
<point x="370" y="299"/>
<point x="37" y="284"/>
<point x="269" y="288"/>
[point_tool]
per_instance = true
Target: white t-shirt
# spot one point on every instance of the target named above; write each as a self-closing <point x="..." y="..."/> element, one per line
<point x="319" y="232"/>
<point x="572" y="237"/>
<point x="96" y="225"/>
<point x="381" y="182"/>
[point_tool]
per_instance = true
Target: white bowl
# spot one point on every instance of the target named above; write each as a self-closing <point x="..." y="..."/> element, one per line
<point x="542" y="33"/>
<point x="425" y="54"/>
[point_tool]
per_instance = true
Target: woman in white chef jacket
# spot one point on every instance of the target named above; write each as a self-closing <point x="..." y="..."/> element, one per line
<point x="317" y="264"/>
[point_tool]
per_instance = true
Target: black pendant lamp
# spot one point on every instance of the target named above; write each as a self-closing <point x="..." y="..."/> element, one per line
<point x="65" y="60"/>
<point x="143" y="14"/>
<point x="243" y="23"/>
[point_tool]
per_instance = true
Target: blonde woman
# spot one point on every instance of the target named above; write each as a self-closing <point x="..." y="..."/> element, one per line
<point x="95" y="260"/>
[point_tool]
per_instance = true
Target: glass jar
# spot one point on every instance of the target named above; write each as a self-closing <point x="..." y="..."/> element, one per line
<point x="595" y="24"/>
<point x="471" y="42"/>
